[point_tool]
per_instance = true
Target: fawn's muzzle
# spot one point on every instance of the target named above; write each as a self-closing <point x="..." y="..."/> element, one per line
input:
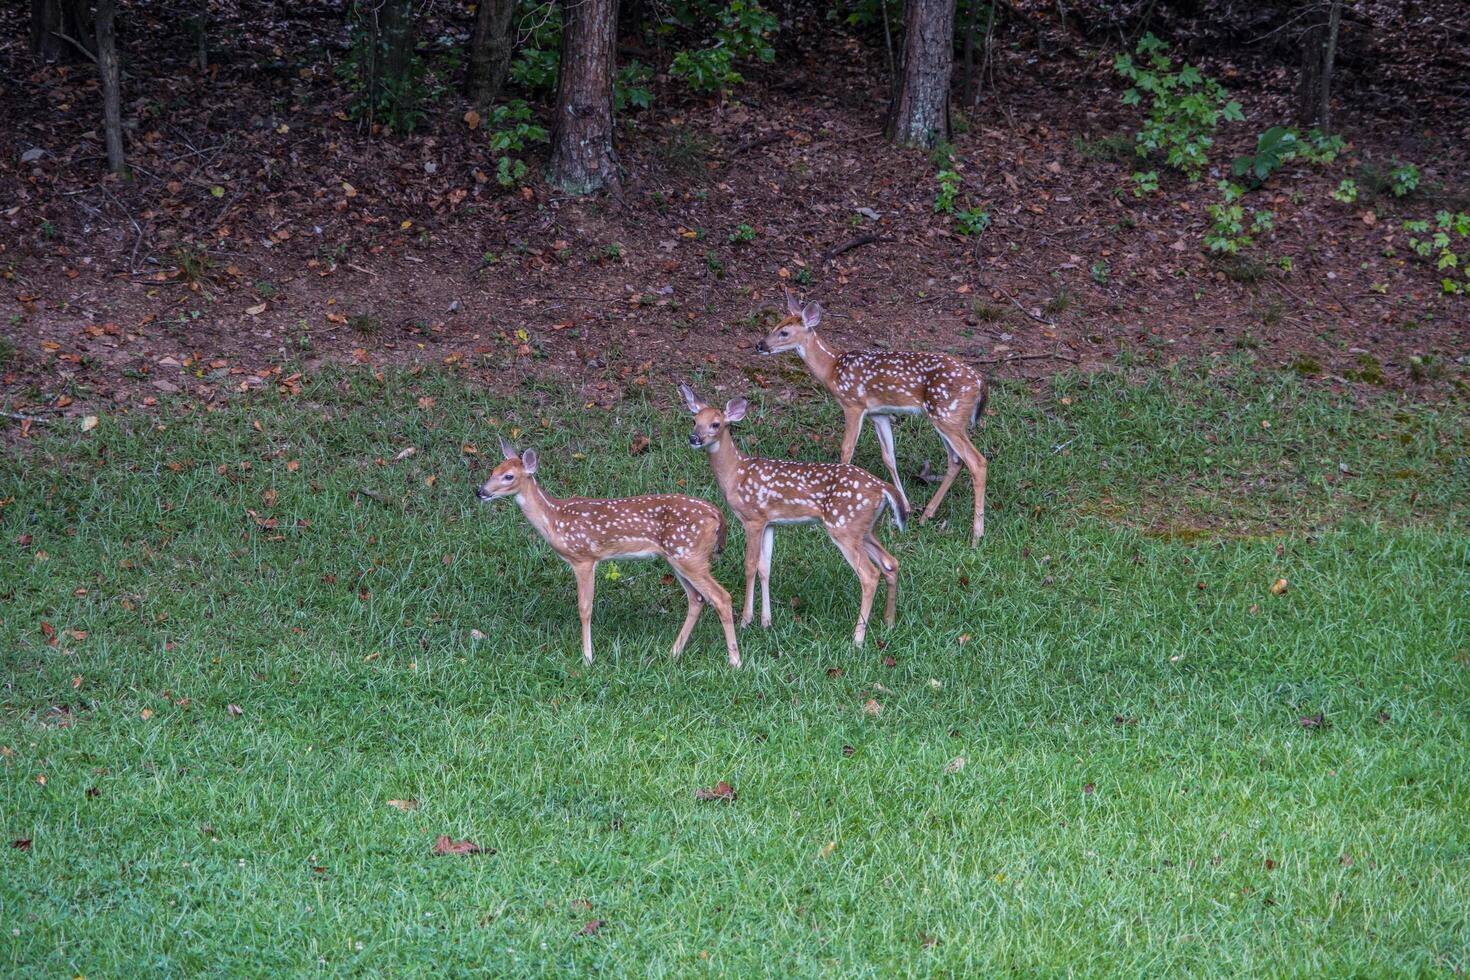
<point x="694" y="440"/>
<point x="480" y="492"/>
<point x="761" y="347"/>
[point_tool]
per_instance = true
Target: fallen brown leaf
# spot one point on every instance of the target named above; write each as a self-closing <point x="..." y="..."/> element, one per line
<point x="1279" y="587"/>
<point x="639" y="445"/>
<point x="872" y="708"/>
<point x="444" y="846"/>
<point x="404" y="805"/>
<point x="723" y="791"/>
<point x="23" y="844"/>
<point x="234" y="710"/>
<point x="590" y="929"/>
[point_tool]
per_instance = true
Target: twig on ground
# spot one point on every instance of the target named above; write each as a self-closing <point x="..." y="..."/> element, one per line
<point x="851" y="244"/>
<point x="19" y="417"/>
<point x="755" y="142"/>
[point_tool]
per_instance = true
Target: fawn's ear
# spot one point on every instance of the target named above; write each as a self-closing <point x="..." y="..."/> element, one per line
<point x="792" y="306"/>
<point x="691" y="399"/>
<point x="811" y="314"/>
<point x="507" y="450"/>
<point x="528" y="461"/>
<point x="735" y="409"/>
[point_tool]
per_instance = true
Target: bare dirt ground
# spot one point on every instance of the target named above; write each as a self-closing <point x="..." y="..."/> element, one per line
<point x="264" y="236"/>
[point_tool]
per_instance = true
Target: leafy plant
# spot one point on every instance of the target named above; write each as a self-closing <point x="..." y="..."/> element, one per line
<point x="1184" y="109"/>
<point x="968" y="220"/>
<point x="1403" y="179"/>
<point x="1347" y="191"/>
<point x="510" y="130"/>
<point x="1447" y="245"/>
<point x="742" y="235"/>
<point x="804" y="276"/>
<point x="630" y="87"/>
<point x="1100" y="272"/>
<point x="743" y="31"/>
<point x="1233" y="226"/>
<point x="714" y="263"/>
<point x="972" y="221"/>
<point x="1145" y="183"/>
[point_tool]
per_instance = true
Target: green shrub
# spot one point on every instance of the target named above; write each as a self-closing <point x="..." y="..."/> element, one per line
<point x="1184" y="108"/>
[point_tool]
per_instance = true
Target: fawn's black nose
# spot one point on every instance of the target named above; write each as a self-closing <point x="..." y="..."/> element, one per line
<point x="480" y="492"/>
<point x="694" y="439"/>
<point x="761" y="347"/>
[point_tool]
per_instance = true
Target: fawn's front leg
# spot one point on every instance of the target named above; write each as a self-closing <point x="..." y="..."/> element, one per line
<point x="586" y="585"/>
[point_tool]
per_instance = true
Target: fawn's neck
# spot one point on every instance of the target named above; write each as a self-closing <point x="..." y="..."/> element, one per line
<point x="820" y="360"/>
<point x="539" y="508"/>
<point x="724" y="458"/>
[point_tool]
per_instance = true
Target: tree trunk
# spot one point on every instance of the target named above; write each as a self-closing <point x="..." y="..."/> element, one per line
<point x="61" y="30"/>
<point x="111" y="86"/>
<point x="387" y="57"/>
<point x="1319" y="53"/>
<point x="919" y="115"/>
<point x="490" y="51"/>
<point x="582" y="156"/>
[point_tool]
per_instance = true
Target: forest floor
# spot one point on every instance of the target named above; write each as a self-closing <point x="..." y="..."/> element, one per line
<point x="265" y="236"/>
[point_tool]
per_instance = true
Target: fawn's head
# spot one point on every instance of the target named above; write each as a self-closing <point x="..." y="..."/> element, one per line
<point x="511" y="476"/>
<point x="794" y="329"/>
<point x="710" y="422"/>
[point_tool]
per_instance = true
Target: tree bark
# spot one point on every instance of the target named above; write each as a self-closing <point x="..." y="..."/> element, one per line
<point x="582" y="156"/>
<point x="1319" y="54"/>
<point x="107" y="63"/>
<point x="919" y="114"/>
<point x="490" y="51"/>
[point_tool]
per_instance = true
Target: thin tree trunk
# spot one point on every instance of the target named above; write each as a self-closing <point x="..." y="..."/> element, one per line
<point x="1329" y="58"/>
<point x="1319" y="54"/>
<point x="111" y="86"/>
<point x="387" y="57"/>
<point x="201" y="35"/>
<point x="968" y="89"/>
<point x="61" y="30"/>
<point x="919" y="115"/>
<point x="582" y="155"/>
<point x="490" y="51"/>
<point x="45" y="22"/>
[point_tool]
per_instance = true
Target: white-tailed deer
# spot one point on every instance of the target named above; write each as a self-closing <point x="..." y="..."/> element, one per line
<point x="763" y="493"/>
<point x="686" y="532"/>
<point x="881" y="384"/>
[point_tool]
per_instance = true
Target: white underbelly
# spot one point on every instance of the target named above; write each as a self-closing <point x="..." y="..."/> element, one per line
<point x="633" y="556"/>
<point x="895" y="410"/>
<point x="791" y="521"/>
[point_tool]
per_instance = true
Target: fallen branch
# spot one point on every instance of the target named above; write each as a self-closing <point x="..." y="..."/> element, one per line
<point x="26" y="418"/>
<point x="371" y="495"/>
<point x="851" y="244"/>
<point x="1017" y="305"/>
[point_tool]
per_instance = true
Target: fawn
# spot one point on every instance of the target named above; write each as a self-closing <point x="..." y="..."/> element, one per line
<point x="686" y="532"/>
<point x="881" y="384"/>
<point x="763" y="493"/>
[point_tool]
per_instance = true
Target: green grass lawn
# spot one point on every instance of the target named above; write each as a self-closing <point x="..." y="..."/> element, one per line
<point x="1138" y="794"/>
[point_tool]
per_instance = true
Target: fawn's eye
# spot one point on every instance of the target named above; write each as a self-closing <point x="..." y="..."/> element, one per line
<point x="784" y="333"/>
<point x="505" y="478"/>
<point x="715" y="427"/>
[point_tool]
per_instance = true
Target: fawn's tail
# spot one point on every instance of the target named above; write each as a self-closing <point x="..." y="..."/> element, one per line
<point x="895" y="503"/>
